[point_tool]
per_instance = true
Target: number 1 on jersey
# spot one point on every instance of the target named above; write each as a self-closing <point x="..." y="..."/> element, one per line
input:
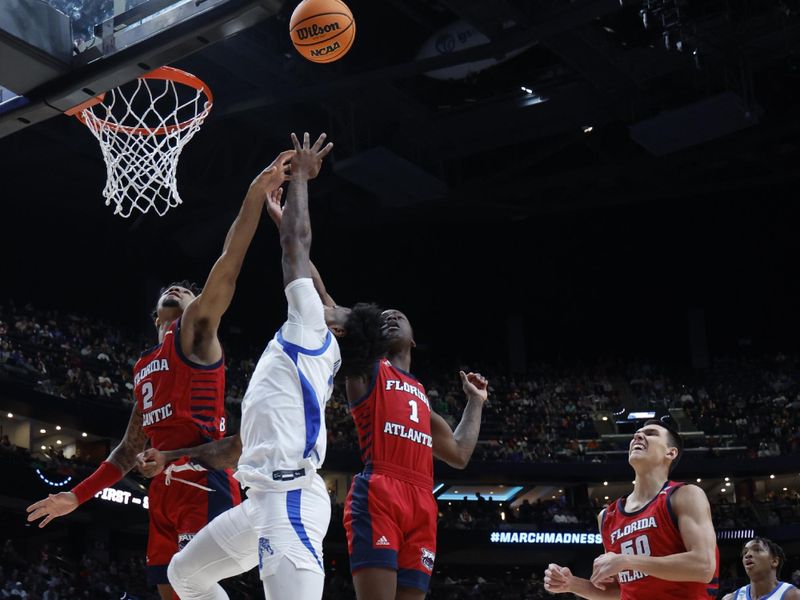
<point x="414" y="415"/>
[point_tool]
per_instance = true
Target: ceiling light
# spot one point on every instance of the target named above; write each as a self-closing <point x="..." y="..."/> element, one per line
<point x="772" y="476"/>
<point x="10" y="415"/>
<point x="606" y="497"/>
<point x="699" y="480"/>
<point x="527" y="90"/>
<point x="605" y="483"/>
<point x="84" y="434"/>
<point x="785" y="489"/>
<point x="43" y="431"/>
<point x="727" y="479"/>
<point x="43" y="447"/>
<point x="590" y="129"/>
<point x="58" y="427"/>
<point x="605" y="418"/>
<point x="58" y="442"/>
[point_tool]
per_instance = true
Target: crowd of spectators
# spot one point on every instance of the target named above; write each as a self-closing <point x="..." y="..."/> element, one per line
<point x="748" y="403"/>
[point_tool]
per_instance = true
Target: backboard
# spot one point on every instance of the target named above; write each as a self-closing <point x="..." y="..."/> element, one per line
<point x="57" y="54"/>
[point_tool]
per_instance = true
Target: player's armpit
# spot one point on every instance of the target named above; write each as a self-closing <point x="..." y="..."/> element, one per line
<point x="133" y="442"/>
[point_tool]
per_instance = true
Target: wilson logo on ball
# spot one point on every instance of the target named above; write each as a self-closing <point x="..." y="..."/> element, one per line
<point x="322" y="30"/>
<point x="313" y="31"/>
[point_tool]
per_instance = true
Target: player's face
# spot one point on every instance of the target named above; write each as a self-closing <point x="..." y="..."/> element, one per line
<point x="396" y="328"/>
<point x="650" y="444"/>
<point x="757" y="558"/>
<point x="176" y="297"/>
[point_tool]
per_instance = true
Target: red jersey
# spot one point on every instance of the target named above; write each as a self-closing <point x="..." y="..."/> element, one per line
<point x="653" y="531"/>
<point x="182" y="403"/>
<point x="393" y="421"/>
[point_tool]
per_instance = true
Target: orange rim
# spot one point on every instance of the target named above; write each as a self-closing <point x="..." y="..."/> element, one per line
<point x="163" y="73"/>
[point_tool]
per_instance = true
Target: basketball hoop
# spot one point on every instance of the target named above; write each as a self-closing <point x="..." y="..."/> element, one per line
<point x="142" y="128"/>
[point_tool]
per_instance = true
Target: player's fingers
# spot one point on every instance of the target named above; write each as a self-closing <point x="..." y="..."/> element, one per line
<point x="284" y="157"/>
<point x="326" y="150"/>
<point x="47" y="520"/>
<point x="278" y="195"/>
<point x="37" y="514"/>
<point x="296" y="142"/>
<point x="318" y="144"/>
<point x="306" y="140"/>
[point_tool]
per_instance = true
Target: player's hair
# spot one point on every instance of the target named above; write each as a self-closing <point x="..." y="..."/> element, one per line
<point x="185" y="283"/>
<point x="775" y="550"/>
<point x="674" y="437"/>
<point x="363" y="342"/>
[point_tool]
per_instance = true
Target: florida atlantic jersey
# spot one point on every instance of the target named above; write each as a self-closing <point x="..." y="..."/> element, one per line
<point x="182" y="403"/>
<point x="743" y="593"/>
<point x="393" y="421"/>
<point x="283" y="421"/>
<point x="653" y="531"/>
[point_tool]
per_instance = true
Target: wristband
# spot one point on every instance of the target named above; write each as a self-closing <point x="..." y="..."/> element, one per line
<point x="106" y="475"/>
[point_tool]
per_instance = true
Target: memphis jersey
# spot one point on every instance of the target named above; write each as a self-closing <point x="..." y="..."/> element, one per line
<point x="283" y="411"/>
<point x="393" y="422"/>
<point x="779" y="592"/>
<point x="653" y="531"/>
<point x="182" y="403"/>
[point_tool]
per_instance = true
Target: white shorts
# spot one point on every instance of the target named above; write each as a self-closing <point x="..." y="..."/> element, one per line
<point x="289" y="523"/>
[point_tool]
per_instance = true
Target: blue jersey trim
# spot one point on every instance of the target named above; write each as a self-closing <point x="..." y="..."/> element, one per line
<point x="311" y="409"/>
<point x="191" y="363"/>
<point x="293" y="510"/>
<point x="291" y="348"/>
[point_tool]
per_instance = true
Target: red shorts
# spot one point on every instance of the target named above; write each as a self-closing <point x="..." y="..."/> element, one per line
<point x="391" y="524"/>
<point x="179" y="511"/>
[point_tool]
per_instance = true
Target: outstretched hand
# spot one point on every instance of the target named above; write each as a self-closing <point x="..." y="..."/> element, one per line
<point x="474" y="385"/>
<point x="307" y="160"/>
<point x="274" y="207"/>
<point x="271" y="178"/>
<point x="55" y="505"/>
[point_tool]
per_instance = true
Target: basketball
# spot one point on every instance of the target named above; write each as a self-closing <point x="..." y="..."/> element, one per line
<point x="322" y="30"/>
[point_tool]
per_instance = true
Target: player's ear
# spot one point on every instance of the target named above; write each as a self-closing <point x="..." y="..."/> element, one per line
<point x="672" y="452"/>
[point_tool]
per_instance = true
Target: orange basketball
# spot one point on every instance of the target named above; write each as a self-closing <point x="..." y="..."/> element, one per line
<point x="322" y="30"/>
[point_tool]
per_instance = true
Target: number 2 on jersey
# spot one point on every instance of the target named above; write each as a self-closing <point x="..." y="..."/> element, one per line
<point x="147" y="395"/>
<point x="414" y="415"/>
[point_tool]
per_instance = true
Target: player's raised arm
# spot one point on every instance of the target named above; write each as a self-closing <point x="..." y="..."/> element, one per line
<point x="698" y="563"/>
<point x="295" y="225"/>
<point x="456" y="447"/>
<point x="275" y="211"/>
<point x="201" y="318"/>
<point x="121" y="460"/>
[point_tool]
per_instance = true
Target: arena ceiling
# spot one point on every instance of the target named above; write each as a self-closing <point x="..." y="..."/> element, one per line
<point x="564" y="107"/>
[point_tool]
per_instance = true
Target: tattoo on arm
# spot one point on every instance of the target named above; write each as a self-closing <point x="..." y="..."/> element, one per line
<point x="133" y="442"/>
<point x="219" y="454"/>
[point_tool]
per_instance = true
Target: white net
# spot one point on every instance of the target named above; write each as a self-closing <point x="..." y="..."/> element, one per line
<point x="142" y="129"/>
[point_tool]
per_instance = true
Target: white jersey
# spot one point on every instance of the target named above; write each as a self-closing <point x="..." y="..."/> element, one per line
<point x="743" y="593"/>
<point x="283" y="412"/>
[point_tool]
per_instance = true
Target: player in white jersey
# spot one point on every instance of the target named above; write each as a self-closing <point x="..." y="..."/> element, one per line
<point x="763" y="559"/>
<point x="282" y="440"/>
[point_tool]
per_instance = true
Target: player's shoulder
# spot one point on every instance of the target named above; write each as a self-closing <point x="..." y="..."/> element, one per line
<point x="791" y="594"/>
<point x="686" y="495"/>
<point x="730" y="596"/>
